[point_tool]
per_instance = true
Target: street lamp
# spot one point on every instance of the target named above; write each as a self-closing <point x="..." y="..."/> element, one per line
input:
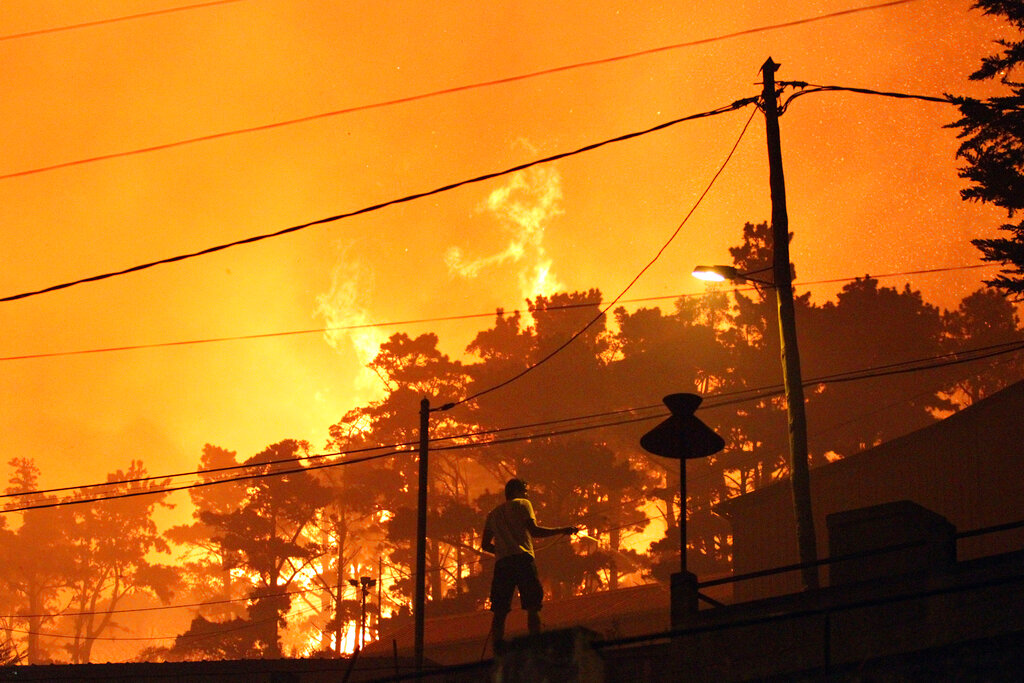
<point x="723" y="273"/>
<point x="782" y="283"/>
<point x="790" y="356"/>
<point x="365" y="583"/>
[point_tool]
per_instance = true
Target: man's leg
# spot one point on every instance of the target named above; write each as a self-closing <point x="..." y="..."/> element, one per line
<point x="503" y="586"/>
<point x="532" y="594"/>
<point x="533" y="621"/>
<point x="498" y="628"/>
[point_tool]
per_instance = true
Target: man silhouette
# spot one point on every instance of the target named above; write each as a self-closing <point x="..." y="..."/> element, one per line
<point x="508" y="533"/>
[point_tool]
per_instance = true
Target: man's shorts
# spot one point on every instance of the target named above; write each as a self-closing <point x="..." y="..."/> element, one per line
<point x="516" y="571"/>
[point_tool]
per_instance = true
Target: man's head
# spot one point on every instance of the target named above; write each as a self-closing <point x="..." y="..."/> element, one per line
<point x="515" y="488"/>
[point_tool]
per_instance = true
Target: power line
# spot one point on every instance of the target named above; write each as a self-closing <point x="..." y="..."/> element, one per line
<point x="289" y="593"/>
<point x="392" y="202"/>
<point x="301" y="470"/>
<point x="644" y="518"/>
<point x="447" y="318"/>
<point x="643" y="270"/>
<point x="172" y="489"/>
<point x="809" y="88"/>
<point x="711" y="401"/>
<point x="300" y="458"/>
<point x="183" y="636"/>
<point x="115" y="20"/>
<point x="730" y="398"/>
<point x="446" y="91"/>
<point x="159" y="608"/>
<point x="1005" y="348"/>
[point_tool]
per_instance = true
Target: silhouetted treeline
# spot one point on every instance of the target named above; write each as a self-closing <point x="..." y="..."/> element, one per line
<point x="271" y="556"/>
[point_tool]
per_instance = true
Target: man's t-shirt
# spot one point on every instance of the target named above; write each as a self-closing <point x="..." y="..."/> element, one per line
<point x="510" y="523"/>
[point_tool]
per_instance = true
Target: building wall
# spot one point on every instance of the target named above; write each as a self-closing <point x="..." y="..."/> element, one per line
<point x="966" y="468"/>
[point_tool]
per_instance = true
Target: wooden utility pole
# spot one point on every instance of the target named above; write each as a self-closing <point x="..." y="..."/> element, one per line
<point x="798" y="468"/>
<point x="421" y="532"/>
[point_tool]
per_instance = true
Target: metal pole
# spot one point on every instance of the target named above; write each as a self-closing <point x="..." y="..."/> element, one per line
<point x="799" y="471"/>
<point x="362" y="616"/>
<point x="337" y="605"/>
<point x="421" y="533"/>
<point x="682" y="514"/>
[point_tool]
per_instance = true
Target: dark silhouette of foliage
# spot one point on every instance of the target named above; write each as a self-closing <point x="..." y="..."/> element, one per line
<point x="205" y="561"/>
<point x="992" y="134"/>
<point x="983" y="319"/>
<point x="110" y="547"/>
<point x="37" y="556"/>
<point x="267" y="537"/>
<point x="869" y="326"/>
<point x="82" y="559"/>
<point x="251" y="542"/>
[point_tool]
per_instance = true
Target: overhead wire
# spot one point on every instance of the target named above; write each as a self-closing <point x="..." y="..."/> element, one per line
<point x="711" y="401"/>
<point x="310" y="457"/>
<point x="159" y="608"/>
<point x="809" y="88"/>
<point x="741" y="395"/>
<point x="474" y="396"/>
<point x="115" y="20"/>
<point x="644" y="518"/>
<point x="390" y="565"/>
<point x="724" y="399"/>
<point x="180" y="636"/>
<point x="381" y="205"/>
<point x="446" y="91"/>
<point x="448" y="318"/>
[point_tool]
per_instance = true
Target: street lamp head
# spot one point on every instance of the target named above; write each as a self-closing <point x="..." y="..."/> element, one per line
<point x="723" y="273"/>
<point x="717" y="273"/>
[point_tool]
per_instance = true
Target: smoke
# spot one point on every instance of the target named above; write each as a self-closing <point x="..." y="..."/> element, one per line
<point x="350" y="283"/>
<point x="524" y="206"/>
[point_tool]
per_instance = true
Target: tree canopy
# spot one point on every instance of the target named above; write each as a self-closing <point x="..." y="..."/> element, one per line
<point x="265" y="566"/>
<point x="992" y="147"/>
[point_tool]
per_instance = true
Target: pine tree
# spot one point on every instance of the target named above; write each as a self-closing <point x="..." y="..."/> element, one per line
<point x="992" y="131"/>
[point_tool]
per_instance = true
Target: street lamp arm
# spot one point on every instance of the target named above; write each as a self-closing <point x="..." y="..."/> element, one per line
<point x="723" y="273"/>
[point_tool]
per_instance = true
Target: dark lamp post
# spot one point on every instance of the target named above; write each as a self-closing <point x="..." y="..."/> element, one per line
<point x="365" y="583"/>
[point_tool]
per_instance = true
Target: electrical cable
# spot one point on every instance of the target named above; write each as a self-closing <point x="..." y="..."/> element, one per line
<point x="809" y="88"/>
<point x="732" y="398"/>
<point x="130" y="610"/>
<point x="297" y="459"/>
<point x="390" y="565"/>
<point x="212" y="470"/>
<point x="446" y="318"/>
<point x="189" y="636"/>
<point x="207" y="603"/>
<point x="115" y="20"/>
<point x="446" y="91"/>
<point x="172" y="489"/>
<point x="381" y="205"/>
<point x="614" y="301"/>
<point x="301" y="470"/>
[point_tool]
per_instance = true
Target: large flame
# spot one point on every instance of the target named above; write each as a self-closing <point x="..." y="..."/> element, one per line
<point x="525" y="206"/>
<point x="340" y="309"/>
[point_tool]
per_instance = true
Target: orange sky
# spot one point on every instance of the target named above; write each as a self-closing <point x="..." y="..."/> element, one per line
<point x="871" y="182"/>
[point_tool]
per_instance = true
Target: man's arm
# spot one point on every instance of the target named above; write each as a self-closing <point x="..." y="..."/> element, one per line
<point x="487" y="543"/>
<point x="538" y="531"/>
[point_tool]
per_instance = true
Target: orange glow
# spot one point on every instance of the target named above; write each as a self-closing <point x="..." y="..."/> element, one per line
<point x="872" y="187"/>
<point x="862" y="172"/>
